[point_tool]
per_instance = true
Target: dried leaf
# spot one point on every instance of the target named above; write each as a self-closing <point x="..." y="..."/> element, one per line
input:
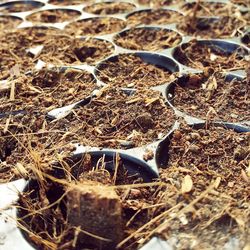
<point x="187" y="184"/>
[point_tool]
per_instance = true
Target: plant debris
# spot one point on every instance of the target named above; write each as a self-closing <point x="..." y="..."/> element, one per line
<point x="216" y="160"/>
<point x="20" y="6"/>
<point x="68" y="2"/>
<point x="53" y="16"/>
<point x="109" y="8"/>
<point x="153" y="16"/>
<point x="65" y="50"/>
<point x="244" y="3"/>
<point x="209" y="9"/>
<point x="147" y="39"/>
<point x="160" y="3"/>
<point x="223" y="27"/>
<point x="9" y="22"/>
<point x="213" y="97"/>
<point x="200" y="55"/>
<point x="133" y="72"/>
<point x="117" y="120"/>
<point x="95" y="26"/>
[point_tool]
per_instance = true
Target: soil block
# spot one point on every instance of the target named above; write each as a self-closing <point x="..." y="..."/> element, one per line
<point x="64" y="50"/>
<point x="203" y="8"/>
<point x="134" y="71"/>
<point x="109" y="8"/>
<point x="153" y="16"/>
<point x="207" y="178"/>
<point x="160" y="3"/>
<point x="223" y="27"/>
<point x="49" y="89"/>
<point x="95" y="26"/>
<point x="212" y="97"/>
<point x="209" y="53"/>
<point x="9" y="22"/>
<point x="68" y="2"/>
<point x="54" y="16"/>
<point x="147" y="38"/>
<point x="117" y="120"/>
<point x="20" y="6"/>
<point x="85" y="202"/>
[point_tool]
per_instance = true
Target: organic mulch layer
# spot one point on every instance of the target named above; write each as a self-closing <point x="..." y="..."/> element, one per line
<point x="20" y="6"/>
<point x="95" y="26"/>
<point x="207" y="178"/>
<point x="18" y="59"/>
<point x="223" y="27"/>
<point x="19" y="145"/>
<point x="69" y="2"/>
<point x="153" y="16"/>
<point x="199" y="55"/>
<point x="48" y="89"/>
<point x="28" y="37"/>
<point x="117" y="120"/>
<point x="243" y="3"/>
<point x="128" y="70"/>
<point x="101" y="206"/>
<point x="151" y="39"/>
<point x="160" y="3"/>
<point x="202" y="8"/>
<point x="9" y="22"/>
<point x="213" y="97"/>
<point x="64" y="50"/>
<point x="53" y="16"/>
<point x="109" y="8"/>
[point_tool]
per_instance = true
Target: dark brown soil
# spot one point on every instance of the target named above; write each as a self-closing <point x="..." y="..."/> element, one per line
<point x="246" y="39"/>
<point x="20" y="6"/>
<point x="133" y="72"/>
<point x="48" y="89"/>
<point x="117" y="120"/>
<point x="64" y="50"/>
<point x="224" y="27"/>
<point x="203" y="8"/>
<point x="160" y="3"/>
<point x="109" y="8"/>
<point x="68" y="2"/>
<point x="153" y="16"/>
<point x="53" y="16"/>
<point x="207" y="180"/>
<point x="9" y="22"/>
<point x="201" y="56"/>
<point x="95" y="26"/>
<point x="54" y="200"/>
<point x="148" y="39"/>
<point x="213" y="98"/>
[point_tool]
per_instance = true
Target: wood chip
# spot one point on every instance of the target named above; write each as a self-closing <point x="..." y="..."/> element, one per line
<point x="187" y="184"/>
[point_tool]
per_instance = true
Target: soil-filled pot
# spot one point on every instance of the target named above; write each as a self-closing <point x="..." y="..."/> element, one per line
<point x="207" y="176"/>
<point x="117" y="119"/>
<point x="9" y="22"/>
<point x="20" y="6"/>
<point x="216" y="54"/>
<point x="213" y="96"/>
<point x="101" y="196"/>
<point x="147" y="38"/>
<point x="137" y="70"/>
